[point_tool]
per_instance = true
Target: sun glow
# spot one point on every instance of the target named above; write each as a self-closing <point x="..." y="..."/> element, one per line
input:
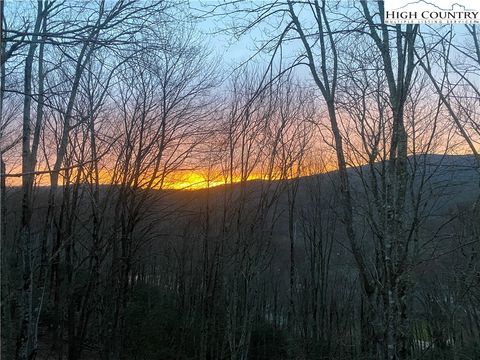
<point x="190" y="181"/>
<point x="187" y="180"/>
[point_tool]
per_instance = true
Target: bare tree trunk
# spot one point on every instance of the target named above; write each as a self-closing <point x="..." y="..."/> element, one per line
<point x="26" y="346"/>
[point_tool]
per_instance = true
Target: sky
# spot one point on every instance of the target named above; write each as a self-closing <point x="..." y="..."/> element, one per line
<point x="231" y="51"/>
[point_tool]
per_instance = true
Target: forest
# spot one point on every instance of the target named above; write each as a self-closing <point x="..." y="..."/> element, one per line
<point x="241" y="180"/>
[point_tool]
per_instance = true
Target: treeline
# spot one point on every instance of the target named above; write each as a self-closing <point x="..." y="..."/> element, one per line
<point x="104" y="104"/>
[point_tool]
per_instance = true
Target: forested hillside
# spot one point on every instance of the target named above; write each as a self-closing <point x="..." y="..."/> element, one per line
<point x="237" y="180"/>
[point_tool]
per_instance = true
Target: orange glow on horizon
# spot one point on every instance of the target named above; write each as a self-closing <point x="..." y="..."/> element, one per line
<point x="178" y="180"/>
<point x="183" y="180"/>
<point x="186" y="179"/>
<point x="190" y="181"/>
